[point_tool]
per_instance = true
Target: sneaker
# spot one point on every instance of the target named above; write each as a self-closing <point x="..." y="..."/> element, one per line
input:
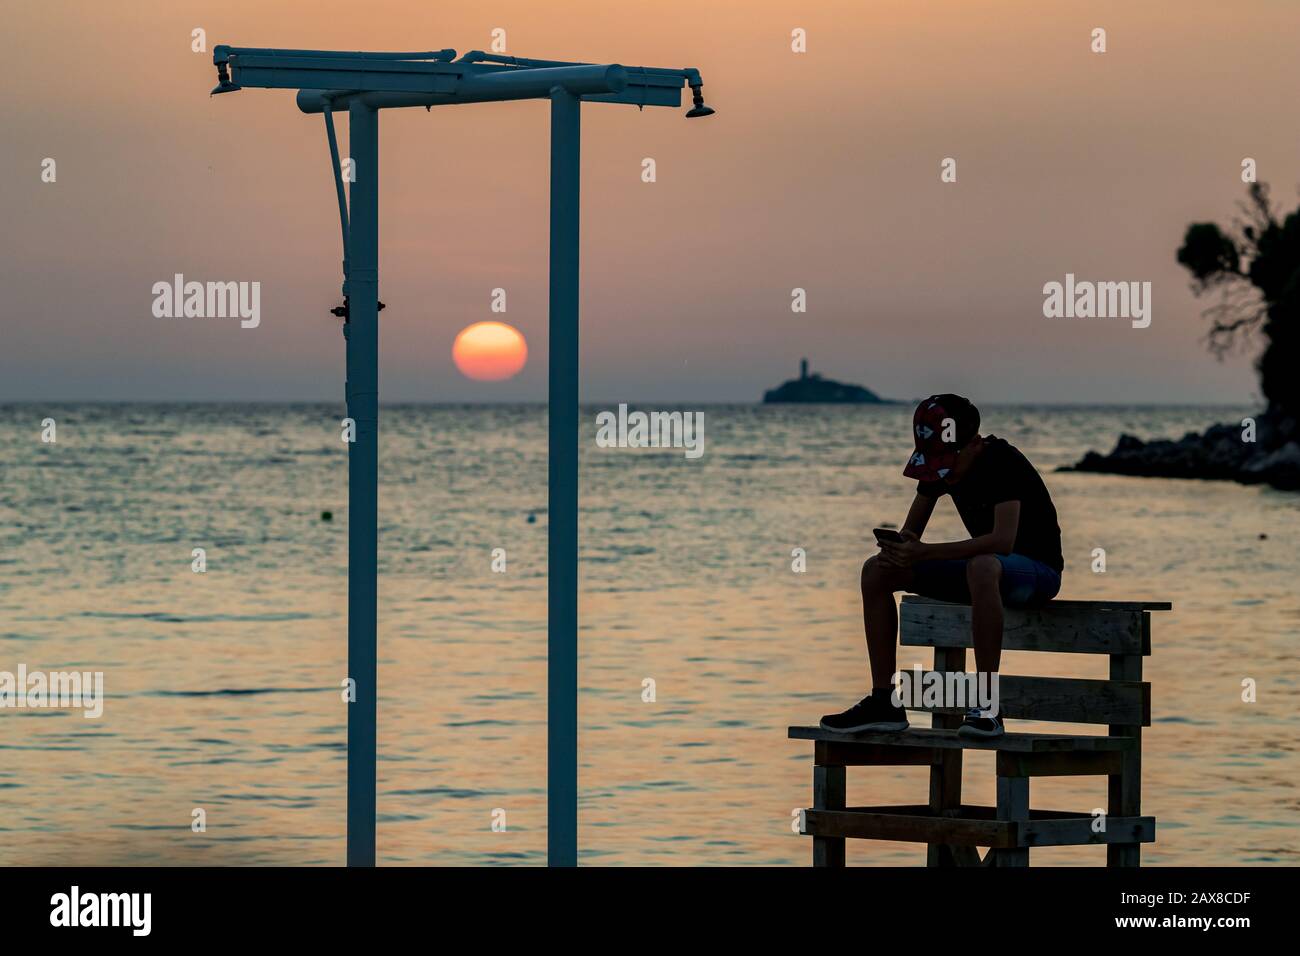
<point x="870" y="713"/>
<point x="979" y="724"/>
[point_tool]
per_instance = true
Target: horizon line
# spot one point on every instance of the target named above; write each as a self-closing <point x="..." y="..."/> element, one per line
<point x="675" y="403"/>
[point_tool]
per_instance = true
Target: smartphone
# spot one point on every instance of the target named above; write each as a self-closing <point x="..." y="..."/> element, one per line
<point x="887" y="534"/>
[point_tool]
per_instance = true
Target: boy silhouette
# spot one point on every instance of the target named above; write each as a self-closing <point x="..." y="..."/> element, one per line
<point x="1012" y="558"/>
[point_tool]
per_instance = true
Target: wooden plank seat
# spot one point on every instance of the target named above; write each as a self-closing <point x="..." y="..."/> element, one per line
<point x="949" y="740"/>
<point x="1120" y="630"/>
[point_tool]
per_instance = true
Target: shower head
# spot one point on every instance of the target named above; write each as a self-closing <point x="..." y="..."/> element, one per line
<point x="697" y="98"/>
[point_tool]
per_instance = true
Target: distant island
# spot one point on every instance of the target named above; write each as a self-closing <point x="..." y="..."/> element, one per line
<point x="814" y="388"/>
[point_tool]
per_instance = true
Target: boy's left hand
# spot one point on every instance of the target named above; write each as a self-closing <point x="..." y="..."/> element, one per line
<point x="903" y="553"/>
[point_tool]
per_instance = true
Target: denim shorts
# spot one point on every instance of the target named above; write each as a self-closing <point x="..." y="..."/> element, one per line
<point x="1024" y="581"/>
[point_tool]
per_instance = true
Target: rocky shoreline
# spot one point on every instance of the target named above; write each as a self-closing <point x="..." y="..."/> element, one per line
<point x="1222" y="452"/>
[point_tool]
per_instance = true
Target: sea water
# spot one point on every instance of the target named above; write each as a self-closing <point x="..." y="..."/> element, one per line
<point x="222" y="689"/>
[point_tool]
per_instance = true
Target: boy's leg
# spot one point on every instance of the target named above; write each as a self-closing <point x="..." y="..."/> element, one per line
<point x="880" y="617"/>
<point x="877" y="711"/>
<point x="984" y="577"/>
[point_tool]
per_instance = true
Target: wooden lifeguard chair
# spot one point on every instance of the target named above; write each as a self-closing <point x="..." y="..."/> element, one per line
<point x="953" y="830"/>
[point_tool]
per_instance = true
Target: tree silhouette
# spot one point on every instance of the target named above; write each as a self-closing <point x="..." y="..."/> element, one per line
<point x="1257" y="267"/>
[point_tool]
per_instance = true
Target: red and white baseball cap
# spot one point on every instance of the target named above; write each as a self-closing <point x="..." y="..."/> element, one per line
<point x="936" y="417"/>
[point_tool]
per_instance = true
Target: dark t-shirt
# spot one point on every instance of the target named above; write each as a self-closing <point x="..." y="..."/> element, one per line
<point x="1001" y="473"/>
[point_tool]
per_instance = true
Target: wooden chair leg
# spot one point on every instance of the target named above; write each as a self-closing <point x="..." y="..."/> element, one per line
<point x="828" y="794"/>
<point x="1124" y="854"/>
<point x="1125" y="799"/>
<point x="945" y="775"/>
<point x="945" y="794"/>
<point x="965" y="856"/>
<point x="1124" y="789"/>
<point x="1013" y="804"/>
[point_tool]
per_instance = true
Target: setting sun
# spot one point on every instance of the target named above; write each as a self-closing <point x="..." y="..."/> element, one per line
<point x="489" y="351"/>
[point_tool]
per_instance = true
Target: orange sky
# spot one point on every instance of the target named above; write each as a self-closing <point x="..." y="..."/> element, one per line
<point x="820" y="170"/>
